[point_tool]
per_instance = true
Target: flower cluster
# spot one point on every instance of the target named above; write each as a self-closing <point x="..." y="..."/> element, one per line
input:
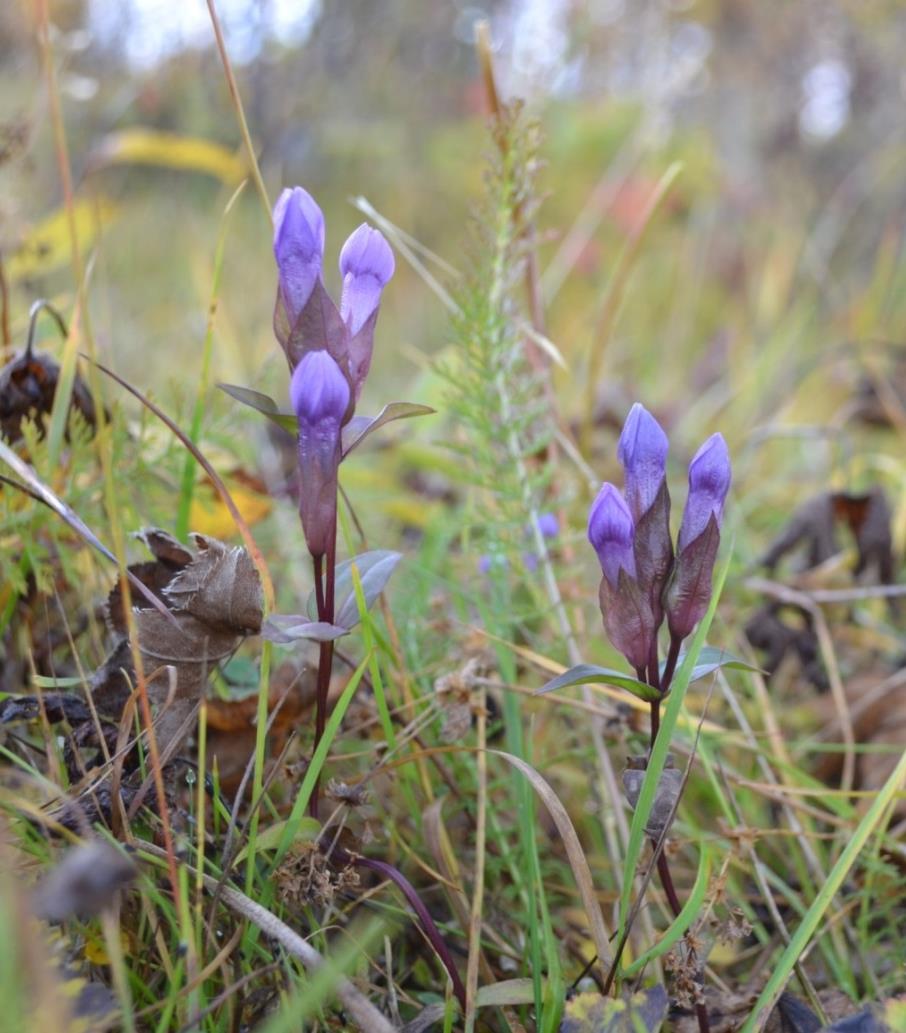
<point x="643" y="579"/>
<point x="328" y="349"/>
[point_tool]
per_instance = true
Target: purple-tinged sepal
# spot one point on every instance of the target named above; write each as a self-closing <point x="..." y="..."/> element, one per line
<point x="654" y="551"/>
<point x="366" y="265"/>
<point x="627" y="617"/>
<point x="320" y="396"/>
<point x="689" y="591"/>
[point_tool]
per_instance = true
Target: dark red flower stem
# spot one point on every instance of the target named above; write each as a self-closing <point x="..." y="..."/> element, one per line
<point x="424" y="916"/>
<point x="662" y="684"/>
<point x="324" y="597"/>
<point x="670" y="666"/>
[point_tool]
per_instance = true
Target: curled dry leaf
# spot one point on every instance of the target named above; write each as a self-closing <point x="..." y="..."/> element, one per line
<point x="214" y="597"/>
<point x="643" y="1012"/>
<point x="28" y="384"/>
<point x="813" y="529"/>
<point x="665" y="797"/>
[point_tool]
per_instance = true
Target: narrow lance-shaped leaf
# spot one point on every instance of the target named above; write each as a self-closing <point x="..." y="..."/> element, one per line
<point x="360" y="427"/>
<point x="585" y="674"/>
<point x="262" y="403"/>
<point x="284" y="628"/>
<point x="711" y="659"/>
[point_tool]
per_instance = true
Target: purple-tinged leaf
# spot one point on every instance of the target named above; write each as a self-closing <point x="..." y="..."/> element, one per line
<point x="711" y="659"/>
<point x="360" y="427"/>
<point x="374" y="570"/>
<point x="586" y="674"/>
<point x="689" y="590"/>
<point x="262" y="403"/>
<point x="284" y="628"/>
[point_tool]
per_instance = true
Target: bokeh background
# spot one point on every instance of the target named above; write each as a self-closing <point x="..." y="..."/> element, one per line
<point x="767" y="288"/>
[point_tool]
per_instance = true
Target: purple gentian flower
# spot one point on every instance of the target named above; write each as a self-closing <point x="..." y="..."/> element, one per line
<point x="709" y="482"/>
<point x="611" y="531"/>
<point x="298" y="248"/>
<point x="306" y="318"/>
<point x="366" y="264"/>
<point x="642" y="450"/>
<point x="320" y="396"/>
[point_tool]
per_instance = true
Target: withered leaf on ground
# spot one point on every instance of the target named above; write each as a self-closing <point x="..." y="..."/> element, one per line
<point x="813" y="529"/>
<point x="28" y="384"/>
<point x="643" y="1012"/>
<point x="215" y="601"/>
<point x="84" y="882"/>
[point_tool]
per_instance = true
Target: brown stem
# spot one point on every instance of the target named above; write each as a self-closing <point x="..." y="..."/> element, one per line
<point x="324" y="597"/>
<point x="655" y="705"/>
<point x="663" y="870"/>
<point x="670" y="666"/>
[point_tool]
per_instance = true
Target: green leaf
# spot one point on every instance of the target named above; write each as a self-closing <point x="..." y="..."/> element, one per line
<point x="711" y="659"/>
<point x="360" y="427"/>
<point x="691" y="910"/>
<point x="262" y="403"/>
<point x="306" y="831"/>
<point x="584" y="674"/>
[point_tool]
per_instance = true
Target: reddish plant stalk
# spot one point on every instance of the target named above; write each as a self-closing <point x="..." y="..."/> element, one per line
<point x="324" y="597"/>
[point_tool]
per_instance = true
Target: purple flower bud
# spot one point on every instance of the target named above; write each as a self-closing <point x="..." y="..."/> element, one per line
<point x="548" y="525"/>
<point x="298" y="248"/>
<point x="320" y="395"/>
<point x="709" y="482"/>
<point x="611" y="531"/>
<point x="642" y="450"/>
<point x="366" y="264"/>
<point x="318" y="390"/>
<point x="488" y="562"/>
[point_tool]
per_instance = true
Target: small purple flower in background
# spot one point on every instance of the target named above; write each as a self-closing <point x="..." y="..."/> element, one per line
<point x="548" y="525"/>
<point x="642" y="450"/>
<point x="709" y="482"/>
<point x="612" y="532"/>
<point x="320" y="397"/>
<point x="298" y="247"/>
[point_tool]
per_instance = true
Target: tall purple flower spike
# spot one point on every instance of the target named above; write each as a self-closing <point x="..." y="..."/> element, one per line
<point x="642" y="450"/>
<point x="298" y="248"/>
<point x="611" y="532"/>
<point x="305" y="317"/>
<point x="709" y="482"/>
<point x="320" y="396"/>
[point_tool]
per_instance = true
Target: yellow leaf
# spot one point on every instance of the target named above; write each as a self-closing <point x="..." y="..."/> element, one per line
<point x="47" y="246"/>
<point x="208" y="515"/>
<point x="170" y="150"/>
